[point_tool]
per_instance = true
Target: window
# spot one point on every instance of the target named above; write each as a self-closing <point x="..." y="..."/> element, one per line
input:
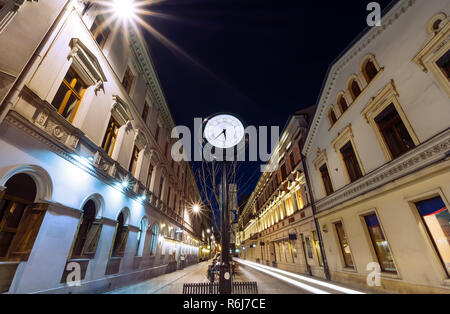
<point x="326" y="179"/>
<point x="145" y="112"/>
<point x="355" y="90"/>
<point x="436" y="217"/>
<point x="161" y="184"/>
<point x="134" y="161"/>
<point x="316" y="245"/>
<point x="370" y="70"/>
<point x="345" y="247"/>
<point x="351" y="162"/>
<point x="444" y="65"/>
<point x="2" y="4"/>
<point x="394" y="131"/>
<point x="100" y="31"/>
<point x="309" y="250"/>
<point x="109" y="141"/>
<point x="380" y="244"/>
<point x="120" y="240"/>
<point x="157" y="133"/>
<point x="149" y="176"/>
<point x="166" y="147"/>
<point x="154" y="241"/>
<point x="342" y="104"/>
<point x="20" y="193"/>
<point x="168" y="195"/>
<point x="141" y="236"/>
<point x="82" y="247"/>
<point x="128" y="79"/>
<point x="300" y="204"/>
<point x="69" y="95"/>
<point x="332" y="117"/>
<point x="289" y="206"/>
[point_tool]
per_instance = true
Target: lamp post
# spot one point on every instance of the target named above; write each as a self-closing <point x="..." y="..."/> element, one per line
<point x="224" y="131"/>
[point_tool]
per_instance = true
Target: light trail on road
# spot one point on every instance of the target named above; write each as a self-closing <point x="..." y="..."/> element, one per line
<point x="281" y="274"/>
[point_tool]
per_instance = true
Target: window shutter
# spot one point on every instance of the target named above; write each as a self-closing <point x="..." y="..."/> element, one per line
<point x="123" y="241"/>
<point x="27" y="231"/>
<point x="90" y="246"/>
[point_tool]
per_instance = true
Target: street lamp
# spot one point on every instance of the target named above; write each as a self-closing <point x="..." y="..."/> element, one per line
<point x="196" y="208"/>
<point x="124" y="9"/>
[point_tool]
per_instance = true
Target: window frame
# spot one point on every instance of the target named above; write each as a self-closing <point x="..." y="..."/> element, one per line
<point x="370" y="241"/>
<point x="70" y="91"/>
<point x="101" y="28"/>
<point x="135" y="153"/>
<point x="340" y="247"/>
<point x="111" y="135"/>
<point x="387" y="96"/>
<point x="128" y="79"/>
<point x="423" y="228"/>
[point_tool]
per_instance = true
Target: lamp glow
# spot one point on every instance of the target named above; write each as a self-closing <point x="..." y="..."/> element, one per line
<point x="196" y="208"/>
<point x="125" y="9"/>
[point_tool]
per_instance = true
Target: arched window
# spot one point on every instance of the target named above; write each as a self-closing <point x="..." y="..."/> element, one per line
<point x="88" y="233"/>
<point x="141" y="236"/>
<point x="355" y="90"/>
<point x="17" y="224"/>
<point x="120" y="240"/>
<point x="342" y="104"/>
<point x="370" y="70"/>
<point x="332" y="117"/>
<point x="154" y="242"/>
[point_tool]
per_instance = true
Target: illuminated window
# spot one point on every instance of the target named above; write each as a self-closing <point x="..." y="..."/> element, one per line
<point x="317" y="248"/>
<point x="120" y="240"/>
<point x="326" y="180"/>
<point x="380" y="244"/>
<point x="395" y="134"/>
<point x="100" y="31"/>
<point x="289" y="206"/>
<point x="436" y="217"/>
<point x="69" y="95"/>
<point x="351" y="162"/>
<point x="128" y="79"/>
<point x="300" y="204"/>
<point x="134" y="161"/>
<point x="109" y="141"/>
<point x="345" y="247"/>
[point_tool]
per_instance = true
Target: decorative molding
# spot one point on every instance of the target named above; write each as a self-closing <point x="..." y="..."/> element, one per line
<point x="86" y="64"/>
<point x="120" y="111"/>
<point x="432" y="151"/>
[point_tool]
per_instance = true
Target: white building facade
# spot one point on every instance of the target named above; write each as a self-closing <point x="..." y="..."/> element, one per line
<point x="378" y="154"/>
<point x="86" y="179"/>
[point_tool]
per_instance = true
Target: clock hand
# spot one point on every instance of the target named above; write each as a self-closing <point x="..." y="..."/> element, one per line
<point x="223" y="132"/>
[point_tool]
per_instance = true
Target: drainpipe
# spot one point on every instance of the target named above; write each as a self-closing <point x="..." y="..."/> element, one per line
<point x="18" y="85"/>
<point x="316" y="222"/>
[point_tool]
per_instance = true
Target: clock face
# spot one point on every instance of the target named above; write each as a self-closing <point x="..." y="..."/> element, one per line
<point x="224" y="131"/>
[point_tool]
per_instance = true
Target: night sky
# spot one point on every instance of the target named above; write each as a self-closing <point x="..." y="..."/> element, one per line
<point x="261" y="59"/>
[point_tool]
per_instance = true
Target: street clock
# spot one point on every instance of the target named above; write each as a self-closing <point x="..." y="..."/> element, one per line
<point x="223" y="130"/>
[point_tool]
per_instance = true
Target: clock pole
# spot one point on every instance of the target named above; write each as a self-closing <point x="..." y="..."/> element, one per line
<point x="225" y="282"/>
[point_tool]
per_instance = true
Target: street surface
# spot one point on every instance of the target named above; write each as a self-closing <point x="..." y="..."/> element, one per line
<point x="270" y="281"/>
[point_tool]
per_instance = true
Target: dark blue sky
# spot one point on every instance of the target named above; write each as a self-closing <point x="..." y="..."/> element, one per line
<point x="261" y="59"/>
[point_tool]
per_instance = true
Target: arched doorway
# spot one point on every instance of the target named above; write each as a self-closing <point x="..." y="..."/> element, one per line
<point x="20" y="218"/>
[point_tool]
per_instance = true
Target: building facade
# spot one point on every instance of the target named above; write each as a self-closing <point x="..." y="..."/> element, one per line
<point x="378" y="154"/>
<point x="88" y="189"/>
<point x="276" y="226"/>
